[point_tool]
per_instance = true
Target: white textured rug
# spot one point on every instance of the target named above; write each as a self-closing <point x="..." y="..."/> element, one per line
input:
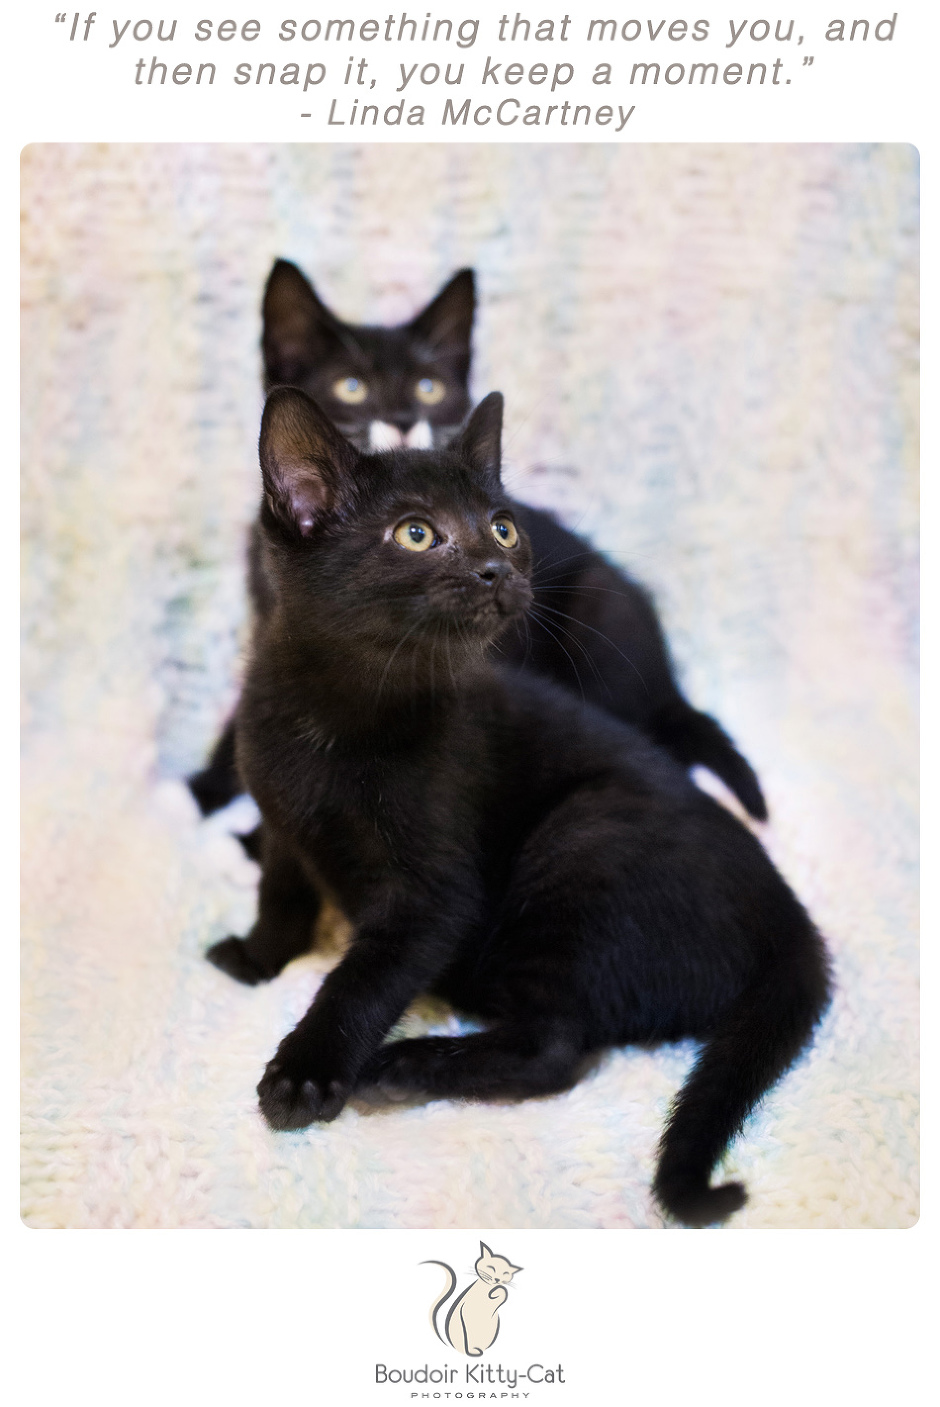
<point x="710" y="352"/>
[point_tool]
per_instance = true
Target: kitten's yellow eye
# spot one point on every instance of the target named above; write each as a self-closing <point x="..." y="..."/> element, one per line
<point x="415" y="535"/>
<point x="504" y="531"/>
<point x="350" y="390"/>
<point x="430" y="391"/>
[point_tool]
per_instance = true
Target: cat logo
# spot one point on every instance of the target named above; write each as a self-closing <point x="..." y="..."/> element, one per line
<point x="472" y="1321"/>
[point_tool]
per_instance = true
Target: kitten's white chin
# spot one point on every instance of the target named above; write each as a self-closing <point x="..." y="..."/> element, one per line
<point x="382" y="435"/>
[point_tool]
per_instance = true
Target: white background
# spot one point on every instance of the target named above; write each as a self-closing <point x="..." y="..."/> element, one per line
<point x="234" y="1317"/>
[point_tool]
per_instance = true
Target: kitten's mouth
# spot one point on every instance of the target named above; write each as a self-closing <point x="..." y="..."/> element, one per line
<point x="484" y="590"/>
<point x="497" y="608"/>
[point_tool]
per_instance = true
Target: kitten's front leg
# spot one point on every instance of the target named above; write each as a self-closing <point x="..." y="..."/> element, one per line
<point x="387" y="966"/>
<point x="287" y="908"/>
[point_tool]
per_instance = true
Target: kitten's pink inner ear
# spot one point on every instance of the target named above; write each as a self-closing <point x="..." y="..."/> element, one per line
<point x="304" y="458"/>
<point x="297" y="488"/>
<point x="303" y="515"/>
<point x="306" y="494"/>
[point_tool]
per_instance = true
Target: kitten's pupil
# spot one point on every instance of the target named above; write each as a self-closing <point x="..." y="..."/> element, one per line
<point x="504" y="530"/>
<point x="415" y="535"/>
<point x="430" y="391"/>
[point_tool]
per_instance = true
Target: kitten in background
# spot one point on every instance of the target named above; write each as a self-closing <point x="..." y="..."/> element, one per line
<point x="590" y="628"/>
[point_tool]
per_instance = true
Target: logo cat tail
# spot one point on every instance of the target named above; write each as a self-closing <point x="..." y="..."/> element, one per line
<point x="759" y="1038"/>
<point x="449" y="1290"/>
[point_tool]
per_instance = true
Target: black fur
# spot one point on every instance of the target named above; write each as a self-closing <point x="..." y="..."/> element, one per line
<point x="592" y="628"/>
<point x="491" y="838"/>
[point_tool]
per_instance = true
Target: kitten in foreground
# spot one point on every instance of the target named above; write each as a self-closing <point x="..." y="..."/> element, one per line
<point x="472" y="1321"/>
<point x="591" y="627"/>
<point x="491" y="838"/>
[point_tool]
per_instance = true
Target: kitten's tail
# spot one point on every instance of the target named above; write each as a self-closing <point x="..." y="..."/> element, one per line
<point x="445" y="1296"/>
<point x="762" y="1034"/>
<point x="694" y="737"/>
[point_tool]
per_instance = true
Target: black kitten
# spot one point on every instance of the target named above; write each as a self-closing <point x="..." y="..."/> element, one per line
<point x="490" y="838"/>
<point x="381" y="386"/>
<point x="591" y="627"/>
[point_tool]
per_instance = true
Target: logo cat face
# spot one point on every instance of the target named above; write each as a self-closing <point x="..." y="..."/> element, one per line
<point x="494" y="1270"/>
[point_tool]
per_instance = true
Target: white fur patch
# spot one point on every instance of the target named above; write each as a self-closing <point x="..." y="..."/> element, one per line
<point x="419" y="436"/>
<point x="384" y="436"/>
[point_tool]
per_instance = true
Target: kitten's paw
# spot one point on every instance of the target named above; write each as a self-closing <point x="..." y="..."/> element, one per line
<point x="290" y="1099"/>
<point x="231" y="956"/>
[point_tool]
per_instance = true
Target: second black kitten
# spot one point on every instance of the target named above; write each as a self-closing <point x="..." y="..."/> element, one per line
<point x="592" y="628"/>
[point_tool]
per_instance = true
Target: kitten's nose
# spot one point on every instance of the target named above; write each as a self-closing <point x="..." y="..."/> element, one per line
<point x="493" y="572"/>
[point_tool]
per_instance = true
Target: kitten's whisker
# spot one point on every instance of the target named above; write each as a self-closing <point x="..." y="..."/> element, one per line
<point x="432" y="661"/>
<point x="586" y="653"/>
<point x="574" y="557"/>
<point x="550" y="561"/>
<point x="391" y="658"/>
<point x="549" y="586"/>
<point x="598" y="552"/>
<point x="577" y="676"/>
<point x="450" y="663"/>
<point x="626" y="660"/>
<point x="528" y="641"/>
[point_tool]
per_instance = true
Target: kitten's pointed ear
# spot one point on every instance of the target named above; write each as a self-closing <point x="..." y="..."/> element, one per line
<point x="446" y="323"/>
<point x="298" y="329"/>
<point x="485" y="1250"/>
<point x="305" y="461"/>
<point x="479" y="441"/>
